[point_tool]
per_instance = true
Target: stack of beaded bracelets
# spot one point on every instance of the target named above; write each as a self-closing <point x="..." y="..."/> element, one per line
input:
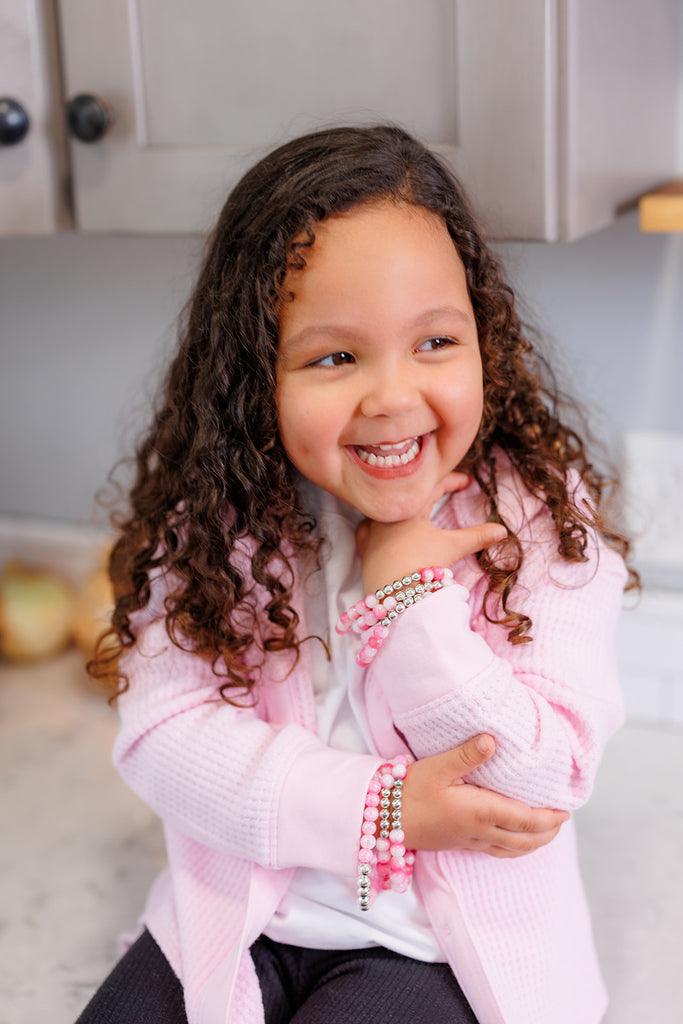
<point x="383" y="861"/>
<point x="377" y="611"/>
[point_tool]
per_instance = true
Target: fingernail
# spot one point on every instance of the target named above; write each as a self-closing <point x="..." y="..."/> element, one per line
<point x="500" y="532"/>
<point x="484" y="744"/>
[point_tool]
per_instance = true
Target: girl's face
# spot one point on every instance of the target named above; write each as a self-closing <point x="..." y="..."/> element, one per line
<point x="380" y="389"/>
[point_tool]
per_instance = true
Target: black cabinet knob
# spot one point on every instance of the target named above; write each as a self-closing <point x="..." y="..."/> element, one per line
<point x="88" y="117"/>
<point x="14" y="122"/>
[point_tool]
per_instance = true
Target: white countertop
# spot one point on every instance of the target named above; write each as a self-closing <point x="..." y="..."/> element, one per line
<point x="79" y="852"/>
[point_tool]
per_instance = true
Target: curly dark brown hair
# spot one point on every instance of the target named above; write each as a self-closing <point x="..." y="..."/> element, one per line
<point x="212" y="470"/>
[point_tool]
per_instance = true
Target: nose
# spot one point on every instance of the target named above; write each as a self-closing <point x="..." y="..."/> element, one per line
<point x="391" y="391"/>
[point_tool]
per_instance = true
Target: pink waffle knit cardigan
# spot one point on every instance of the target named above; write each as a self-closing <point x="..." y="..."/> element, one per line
<point x="247" y="794"/>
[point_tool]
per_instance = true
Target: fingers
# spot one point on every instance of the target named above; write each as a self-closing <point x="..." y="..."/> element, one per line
<point x="520" y="829"/>
<point x="470" y="539"/>
<point x="453" y="765"/>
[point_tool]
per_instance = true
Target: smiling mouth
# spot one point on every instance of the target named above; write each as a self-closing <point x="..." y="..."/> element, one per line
<point x="389" y="455"/>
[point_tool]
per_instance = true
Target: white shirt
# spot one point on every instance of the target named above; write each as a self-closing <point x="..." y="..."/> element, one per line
<point x="320" y="909"/>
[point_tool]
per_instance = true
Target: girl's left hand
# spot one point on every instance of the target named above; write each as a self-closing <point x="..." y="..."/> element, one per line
<point x="389" y="551"/>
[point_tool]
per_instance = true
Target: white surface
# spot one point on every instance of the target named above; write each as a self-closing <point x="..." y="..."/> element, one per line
<point x="79" y="851"/>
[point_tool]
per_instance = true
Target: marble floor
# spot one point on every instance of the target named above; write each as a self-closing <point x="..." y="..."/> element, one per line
<point x="79" y="850"/>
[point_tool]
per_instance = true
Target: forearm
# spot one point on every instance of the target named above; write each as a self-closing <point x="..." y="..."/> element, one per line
<point x="272" y="794"/>
<point x="551" y="705"/>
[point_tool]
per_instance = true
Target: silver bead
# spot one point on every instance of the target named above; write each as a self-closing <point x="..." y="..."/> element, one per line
<point x="398" y="783"/>
<point x="364" y="869"/>
<point x="380" y="595"/>
<point x="400" y="596"/>
<point x="392" y="615"/>
<point x="410" y="591"/>
<point x="415" y="577"/>
<point x="364" y="902"/>
<point x="408" y="601"/>
<point x="418" y="597"/>
<point x="386" y="621"/>
<point x="388" y="590"/>
<point x="397" y="585"/>
<point x="400" y="607"/>
<point x="420" y="588"/>
<point x="406" y="580"/>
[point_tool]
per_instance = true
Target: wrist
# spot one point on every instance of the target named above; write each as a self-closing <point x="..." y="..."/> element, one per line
<point x="375" y="613"/>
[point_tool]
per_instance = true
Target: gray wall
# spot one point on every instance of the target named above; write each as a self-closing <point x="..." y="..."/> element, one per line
<point x="85" y="321"/>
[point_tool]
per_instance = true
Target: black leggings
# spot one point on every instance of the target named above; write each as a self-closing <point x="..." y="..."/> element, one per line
<point x="299" y="986"/>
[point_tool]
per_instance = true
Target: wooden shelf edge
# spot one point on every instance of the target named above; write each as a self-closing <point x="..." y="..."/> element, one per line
<point x="662" y="209"/>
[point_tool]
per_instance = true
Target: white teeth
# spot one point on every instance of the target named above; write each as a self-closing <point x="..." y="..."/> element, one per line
<point x="389" y="460"/>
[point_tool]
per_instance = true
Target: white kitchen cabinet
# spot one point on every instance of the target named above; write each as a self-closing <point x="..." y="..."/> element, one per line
<point x="553" y="112"/>
<point x="33" y="192"/>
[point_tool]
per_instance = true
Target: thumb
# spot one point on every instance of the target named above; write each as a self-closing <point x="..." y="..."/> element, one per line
<point x="460" y="761"/>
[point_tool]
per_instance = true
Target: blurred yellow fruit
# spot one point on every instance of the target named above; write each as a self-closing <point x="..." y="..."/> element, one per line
<point x="36" y="612"/>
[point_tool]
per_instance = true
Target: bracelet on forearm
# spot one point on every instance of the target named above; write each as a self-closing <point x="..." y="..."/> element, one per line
<point x="383" y="861"/>
<point x="377" y="611"/>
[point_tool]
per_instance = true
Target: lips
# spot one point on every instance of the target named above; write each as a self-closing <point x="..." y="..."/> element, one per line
<point x="389" y="456"/>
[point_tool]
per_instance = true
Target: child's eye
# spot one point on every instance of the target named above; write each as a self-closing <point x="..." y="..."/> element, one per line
<point x="334" y="359"/>
<point x="435" y="344"/>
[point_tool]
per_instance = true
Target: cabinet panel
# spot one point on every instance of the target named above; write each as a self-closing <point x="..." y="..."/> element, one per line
<point x="200" y="92"/>
<point x="32" y="170"/>
<point x="255" y="72"/>
<point x="622" y="65"/>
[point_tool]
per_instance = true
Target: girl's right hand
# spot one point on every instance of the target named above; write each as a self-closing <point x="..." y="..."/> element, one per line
<point x="441" y="811"/>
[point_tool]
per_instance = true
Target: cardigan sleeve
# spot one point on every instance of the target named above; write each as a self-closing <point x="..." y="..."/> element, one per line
<point x="445" y="673"/>
<point x="270" y="793"/>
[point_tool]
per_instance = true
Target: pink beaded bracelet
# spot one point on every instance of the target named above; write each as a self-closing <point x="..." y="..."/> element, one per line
<point x="377" y="611"/>
<point x="383" y="861"/>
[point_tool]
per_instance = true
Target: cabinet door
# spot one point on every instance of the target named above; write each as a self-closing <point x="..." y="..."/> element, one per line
<point x="32" y="170"/>
<point x="200" y="91"/>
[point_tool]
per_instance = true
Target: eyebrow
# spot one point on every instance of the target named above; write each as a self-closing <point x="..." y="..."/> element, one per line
<point x="346" y="333"/>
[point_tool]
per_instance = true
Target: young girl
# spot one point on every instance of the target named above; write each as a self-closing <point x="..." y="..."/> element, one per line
<point x="365" y="802"/>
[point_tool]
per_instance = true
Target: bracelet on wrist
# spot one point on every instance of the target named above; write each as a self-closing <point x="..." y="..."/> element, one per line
<point x="378" y="611"/>
<point x="383" y="861"/>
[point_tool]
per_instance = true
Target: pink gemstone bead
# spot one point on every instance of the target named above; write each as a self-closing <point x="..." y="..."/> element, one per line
<point x="383" y="844"/>
<point x="369" y="619"/>
<point x="448" y="574"/>
<point x="397" y="835"/>
<point x="370" y="814"/>
<point x="400" y="883"/>
<point x="397" y="850"/>
<point x="375" y="642"/>
<point x="374" y="785"/>
<point x="378" y="611"/>
<point x="380" y="631"/>
<point x="383" y="857"/>
<point x="402" y="759"/>
<point x="389" y="603"/>
<point x="368" y="828"/>
<point x="372" y="799"/>
<point x="410" y="858"/>
<point x="427" y="575"/>
<point x="399" y="770"/>
<point x="387" y="780"/>
<point x="371" y="601"/>
<point x="365" y="856"/>
<point x="368" y="842"/>
<point x="438" y="572"/>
